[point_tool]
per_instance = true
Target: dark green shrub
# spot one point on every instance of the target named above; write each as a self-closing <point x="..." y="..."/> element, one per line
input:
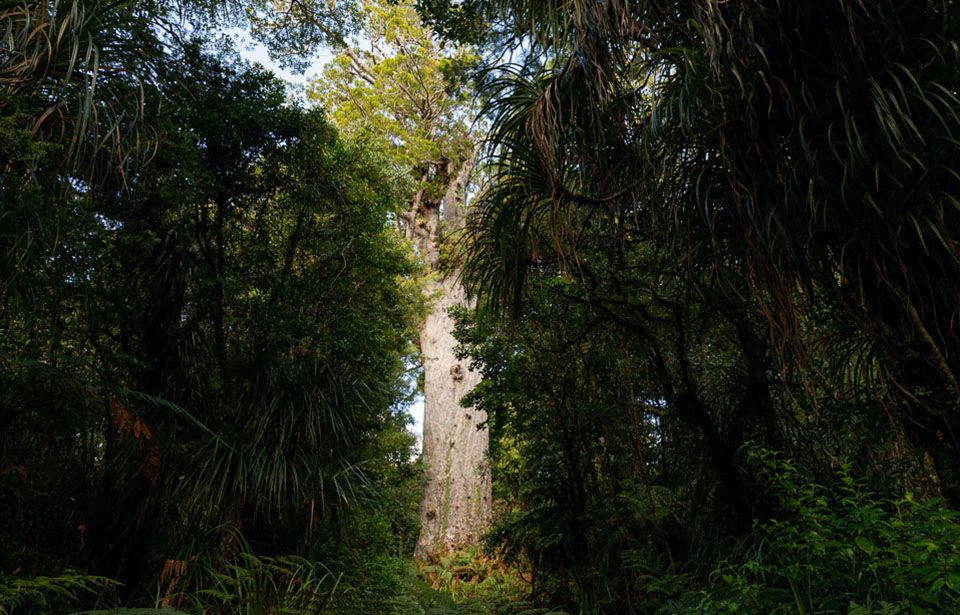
<point x="842" y="549"/>
<point x="55" y="594"/>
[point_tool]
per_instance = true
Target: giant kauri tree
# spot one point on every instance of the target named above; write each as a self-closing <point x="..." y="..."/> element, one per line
<point x="404" y="92"/>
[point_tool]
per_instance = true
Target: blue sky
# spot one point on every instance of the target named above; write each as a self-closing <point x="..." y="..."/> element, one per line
<point x="255" y="52"/>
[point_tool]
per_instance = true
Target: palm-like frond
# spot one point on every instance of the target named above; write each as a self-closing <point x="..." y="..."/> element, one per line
<point x="783" y="147"/>
<point x="77" y="70"/>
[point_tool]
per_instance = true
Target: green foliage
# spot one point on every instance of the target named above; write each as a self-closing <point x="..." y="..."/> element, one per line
<point x="71" y="75"/>
<point x="840" y="548"/>
<point x="469" y="574"/>
<point x="260" y="585"/>
<point x="591" y="488"/>
<point x="213" y="337"/>
<point x="776" y="195"/>
<point x="407" y="95"/>
<point x="48" y="594"/>
<point x="710" y="223"/>
<point x="454" y="21"/>
<point x="374" y="540"/>
<point x="293" y="31"/>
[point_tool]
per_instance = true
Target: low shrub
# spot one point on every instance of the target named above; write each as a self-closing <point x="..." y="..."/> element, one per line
<point x="840" y="548"/>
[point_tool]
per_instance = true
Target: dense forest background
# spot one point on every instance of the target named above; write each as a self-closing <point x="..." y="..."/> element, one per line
<point x="712" y="249"/>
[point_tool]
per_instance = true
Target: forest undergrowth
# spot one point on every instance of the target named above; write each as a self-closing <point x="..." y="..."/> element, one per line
<point x="464" y="582"/>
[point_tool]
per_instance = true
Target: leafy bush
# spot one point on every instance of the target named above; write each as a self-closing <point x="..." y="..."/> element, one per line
<point x="470" y="573"/>
<point x="44" y="594"/>
<point x="261" y="585"/>
<point x="841" y="548"/>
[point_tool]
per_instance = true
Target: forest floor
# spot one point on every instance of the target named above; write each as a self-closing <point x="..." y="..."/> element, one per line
<point x="419" y="598"/>
<point x="463" y="583"/>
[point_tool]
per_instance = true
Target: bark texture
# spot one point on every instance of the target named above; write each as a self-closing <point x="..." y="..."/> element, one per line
<point x="456" y="505"/>
<point x="457" y="499"/>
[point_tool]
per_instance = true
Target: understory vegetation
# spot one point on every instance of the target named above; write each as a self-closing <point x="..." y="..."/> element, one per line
<point x="713" y="251"/>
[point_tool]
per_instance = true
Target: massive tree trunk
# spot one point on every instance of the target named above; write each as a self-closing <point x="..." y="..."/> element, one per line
<point x="457" y="496"/>
<point x="456" y="505"/>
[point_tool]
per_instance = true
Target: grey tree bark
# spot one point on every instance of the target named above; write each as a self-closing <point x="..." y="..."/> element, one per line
<point x="457" y="500"/>
<point x="456" y="504"/>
